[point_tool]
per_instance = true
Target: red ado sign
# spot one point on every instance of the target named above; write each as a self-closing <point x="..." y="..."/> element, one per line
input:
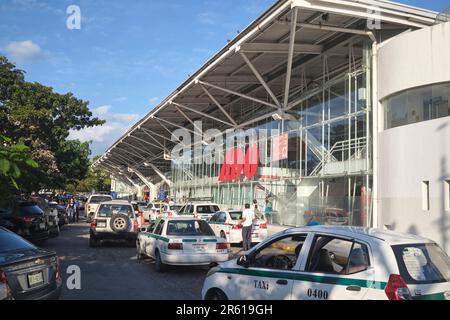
<point x="236" y="163"/>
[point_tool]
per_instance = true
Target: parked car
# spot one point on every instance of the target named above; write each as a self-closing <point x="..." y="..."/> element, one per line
<point x="27" y="272"/>
<point x="336" y="216"/>
<point x="63" y="218"/>
<point x="171" y="210"/>
<point x="26" y="219"/>
<point x="52" y="216"/>
<point x="181" y="241"/>
<point x="92" y="204"/>
<point x="226" y="225"/>
<point x="114" y="220"/>
<point x="152" y="210"/>
<point x="334" y="263"/>
<point x="202" y="210"/>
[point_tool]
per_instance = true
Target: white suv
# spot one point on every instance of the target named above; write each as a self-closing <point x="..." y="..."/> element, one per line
<point x="202" y="210"/>
<point x="114" y="220"/>
<point x="93" y="202"/>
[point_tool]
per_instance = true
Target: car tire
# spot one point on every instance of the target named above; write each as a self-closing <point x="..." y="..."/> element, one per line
<point x="216" y="294"/>
<point x="119" y="223"/>
<point x="94" y="243"/>
<point x="159" y="265"/>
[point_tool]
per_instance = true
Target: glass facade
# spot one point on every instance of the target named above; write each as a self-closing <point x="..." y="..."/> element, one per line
<point x="416" y="105"/>
<point x="325" y="172"/>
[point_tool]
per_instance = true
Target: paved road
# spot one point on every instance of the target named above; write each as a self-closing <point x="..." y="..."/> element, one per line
<point x="112" y="271"/>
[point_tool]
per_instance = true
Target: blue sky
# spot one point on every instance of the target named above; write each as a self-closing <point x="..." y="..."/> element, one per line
<point x="128" y="55"/>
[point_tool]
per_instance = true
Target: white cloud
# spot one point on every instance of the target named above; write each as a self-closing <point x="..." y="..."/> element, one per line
<point x="104" y="136"/>
<point x="23" y="51"/>
<point x="120" y="99"/>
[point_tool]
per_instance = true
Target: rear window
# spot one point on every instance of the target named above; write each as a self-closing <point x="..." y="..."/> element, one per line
<point x="10" y="242"/>
<point x="422" y="263"/>
<point x="99" y="199"/>
<point x="236" y="215"/>
<point x="30" y="209"/>
<point x="207" y="209"/>
<point x="189" y="228"/>
<point x="107" y="210"/>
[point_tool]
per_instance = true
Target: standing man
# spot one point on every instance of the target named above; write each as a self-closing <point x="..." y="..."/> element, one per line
<point x="248" y="216"/>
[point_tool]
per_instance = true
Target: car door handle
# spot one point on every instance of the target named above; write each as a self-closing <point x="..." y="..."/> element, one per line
<point x="353" y="288"/>
<point x="282" y="282"/>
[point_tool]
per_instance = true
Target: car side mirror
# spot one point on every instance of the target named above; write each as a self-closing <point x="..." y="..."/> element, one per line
<point x="243" y="261"/>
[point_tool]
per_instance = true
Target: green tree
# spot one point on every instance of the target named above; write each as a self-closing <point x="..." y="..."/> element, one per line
<point x="34" y="115"/>
<point x="15" y="163"/>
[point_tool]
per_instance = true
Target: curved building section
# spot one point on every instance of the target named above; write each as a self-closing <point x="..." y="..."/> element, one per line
<point x="414" y="133"/>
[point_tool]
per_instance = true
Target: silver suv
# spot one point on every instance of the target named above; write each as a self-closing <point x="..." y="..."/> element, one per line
<point x="114" y="220"/>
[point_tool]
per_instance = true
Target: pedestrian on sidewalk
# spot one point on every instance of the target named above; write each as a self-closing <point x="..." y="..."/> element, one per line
<point x="256" y="211"/>
<point x="248" y="215"/>
<point x="268" y="210"/>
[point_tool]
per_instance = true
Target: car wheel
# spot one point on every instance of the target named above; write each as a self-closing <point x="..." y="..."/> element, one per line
<point x="216" y="294"/>
<point x="159" y="265"/>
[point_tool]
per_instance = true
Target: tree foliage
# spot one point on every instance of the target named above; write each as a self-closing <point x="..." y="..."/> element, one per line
<point x="35" y="116"/>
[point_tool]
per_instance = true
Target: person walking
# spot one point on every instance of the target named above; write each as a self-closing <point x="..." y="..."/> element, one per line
<point x="256" y="209"/>
<point x="77" y="210"/>
<point x="268" y="210"/>
<point x="71" y="209"/>
<point x="248" y="215"/>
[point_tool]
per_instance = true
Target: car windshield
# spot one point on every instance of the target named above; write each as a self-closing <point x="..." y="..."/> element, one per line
<point x="422" y="263"/>
<point x="207" y="208"/>
<point x="11" y="242"/>
<point x="98" y="199"/>
<point x="189" y="228"/>
<point x="236" y="215"/>
<point x="177" y="208"/>
<point x="30" y="209"/>
<point x="107" y="210"/>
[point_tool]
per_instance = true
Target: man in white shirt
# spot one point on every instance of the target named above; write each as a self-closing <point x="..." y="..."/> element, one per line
<point x="248" y="216"/>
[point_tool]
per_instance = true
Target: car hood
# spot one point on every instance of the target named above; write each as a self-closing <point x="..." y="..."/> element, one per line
<point x="12" y="257"/>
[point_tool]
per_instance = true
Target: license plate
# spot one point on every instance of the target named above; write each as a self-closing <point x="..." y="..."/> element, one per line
<point x="199" y="247"/>
<point x="101" y="224"/>
<point x="35" y="279"/>
<point x="42" y="226"/>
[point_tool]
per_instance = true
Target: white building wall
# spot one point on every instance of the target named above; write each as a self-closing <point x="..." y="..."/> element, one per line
<point x="411" y="154"/>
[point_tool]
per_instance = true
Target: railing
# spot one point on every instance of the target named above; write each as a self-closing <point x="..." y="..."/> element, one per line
<point x="355" y="147"/>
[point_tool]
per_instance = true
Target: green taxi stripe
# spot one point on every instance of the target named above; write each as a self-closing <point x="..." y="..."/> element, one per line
<point x="189" y="240"/>
<point x="156" y="236"/>
<point x="306" y="277"/>
<point x="209" y="240"/>
<point x="431" y="296"/>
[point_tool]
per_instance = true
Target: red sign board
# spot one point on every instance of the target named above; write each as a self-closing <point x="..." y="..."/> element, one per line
<point x="236" y="163"/>
<point x="280" y="147"/>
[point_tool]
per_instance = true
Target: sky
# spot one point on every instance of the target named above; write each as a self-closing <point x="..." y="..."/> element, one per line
<point x="126" y="56"/>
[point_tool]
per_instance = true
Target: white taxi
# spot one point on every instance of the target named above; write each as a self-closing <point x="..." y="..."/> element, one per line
<point x="202" y="210"/>
<point x="334" y="263"/>
<point x="181" y="241"/>
<point x="226" y="225"/>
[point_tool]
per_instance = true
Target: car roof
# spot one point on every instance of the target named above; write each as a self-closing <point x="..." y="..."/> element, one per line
<point x="181" y="218"/>
<point x="117" y="202"/>
<point x="363" y="233"/>
<point x="100" y="195"/>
